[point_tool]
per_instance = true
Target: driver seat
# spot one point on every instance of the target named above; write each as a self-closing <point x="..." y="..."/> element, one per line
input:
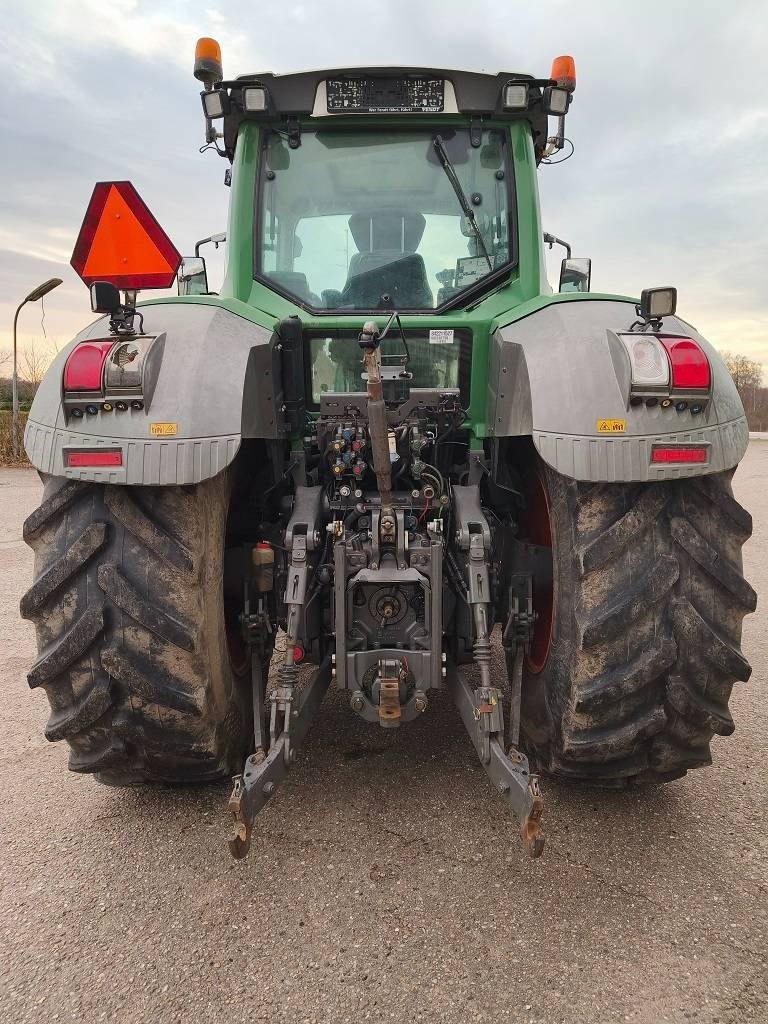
<point x="387" y="239"/>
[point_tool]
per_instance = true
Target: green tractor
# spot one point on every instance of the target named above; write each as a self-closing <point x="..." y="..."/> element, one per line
<point x="384" y="438"/>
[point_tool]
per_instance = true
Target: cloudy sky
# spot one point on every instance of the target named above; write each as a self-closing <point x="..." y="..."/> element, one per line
<point x="668" y="184"/>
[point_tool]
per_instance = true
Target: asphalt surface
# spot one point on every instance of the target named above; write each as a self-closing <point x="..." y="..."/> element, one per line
<point x="386" y="882"/>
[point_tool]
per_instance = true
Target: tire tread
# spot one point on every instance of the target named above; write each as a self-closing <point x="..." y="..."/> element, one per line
<point x="658" y="597"/>
<point x="126" y="653"/>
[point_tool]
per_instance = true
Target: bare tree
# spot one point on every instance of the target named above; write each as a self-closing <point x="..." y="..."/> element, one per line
<point x="746" y="373"/>
<point x="5" y="356"/>
<point x="33" y="364"/>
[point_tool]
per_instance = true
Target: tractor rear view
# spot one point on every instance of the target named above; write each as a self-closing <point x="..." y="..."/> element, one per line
<point x="384" y="439"/>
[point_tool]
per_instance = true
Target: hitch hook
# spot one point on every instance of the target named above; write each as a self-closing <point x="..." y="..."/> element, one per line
<point x="264" y="771"/>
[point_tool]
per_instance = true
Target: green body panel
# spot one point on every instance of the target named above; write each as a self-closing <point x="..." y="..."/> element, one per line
<point x="525" y="292"/>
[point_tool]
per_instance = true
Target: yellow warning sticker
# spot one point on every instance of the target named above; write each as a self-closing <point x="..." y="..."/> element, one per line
<point x="610" y="426"/>
<point x="162" y="429"/>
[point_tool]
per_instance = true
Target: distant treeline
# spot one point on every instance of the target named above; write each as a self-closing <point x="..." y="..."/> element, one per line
<point x="26" y="393"/>
<point x="6" y="446"/>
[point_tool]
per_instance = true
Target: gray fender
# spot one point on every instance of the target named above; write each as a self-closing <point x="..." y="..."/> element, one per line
<point x="213" y="377"/>
<point x="557" y="371"/>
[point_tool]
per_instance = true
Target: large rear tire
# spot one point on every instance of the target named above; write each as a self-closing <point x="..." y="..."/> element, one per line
<point x="128" y="606"/>
<point x="638" y="645"/>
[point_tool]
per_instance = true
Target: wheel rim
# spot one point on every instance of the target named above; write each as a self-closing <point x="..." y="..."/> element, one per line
<point x="538" y="528"/>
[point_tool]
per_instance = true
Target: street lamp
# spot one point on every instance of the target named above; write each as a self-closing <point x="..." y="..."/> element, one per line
<point x="37" y="293"/>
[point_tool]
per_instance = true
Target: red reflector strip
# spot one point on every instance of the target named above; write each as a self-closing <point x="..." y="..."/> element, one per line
<point x="690" y="368"/>
<point x="110" y="457"/>
<point x="690" y="454"/>
<point x="82" y="370"/>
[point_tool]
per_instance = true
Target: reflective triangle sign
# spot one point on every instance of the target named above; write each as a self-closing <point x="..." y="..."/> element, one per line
<point x="121" y="242"/>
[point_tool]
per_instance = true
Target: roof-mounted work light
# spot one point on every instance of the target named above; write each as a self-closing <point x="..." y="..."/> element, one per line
<point x="516" y="96"/>
<point x="214" y="103"/>
<point x="254" y="99"/>
<point x="555" y="100"/>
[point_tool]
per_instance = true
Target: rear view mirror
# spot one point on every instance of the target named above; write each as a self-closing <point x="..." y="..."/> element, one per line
<point x="575" y="275"/>
<point x="193" y="277"/>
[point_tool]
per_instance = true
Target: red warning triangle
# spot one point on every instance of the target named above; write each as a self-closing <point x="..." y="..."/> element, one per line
<point x="121" y="242"/>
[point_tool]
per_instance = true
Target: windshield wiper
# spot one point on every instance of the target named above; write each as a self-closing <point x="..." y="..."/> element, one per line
<point x="465" y="204"/>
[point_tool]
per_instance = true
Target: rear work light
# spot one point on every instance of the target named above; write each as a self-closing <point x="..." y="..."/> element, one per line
<point x="84" y="365"/>
<point x="103" y="457"/>
<point x="516" y="96"/>
<point x="648" y="359"/>
<point x="690" y="368"/>
<point x="254" y="100"/>
<point x="679" y="453"/>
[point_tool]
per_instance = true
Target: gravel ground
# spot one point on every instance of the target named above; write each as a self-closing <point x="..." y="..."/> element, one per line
<point x="385" y="883"/>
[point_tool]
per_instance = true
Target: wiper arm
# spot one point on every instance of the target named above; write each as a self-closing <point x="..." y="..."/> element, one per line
<point x="465" y="204"/>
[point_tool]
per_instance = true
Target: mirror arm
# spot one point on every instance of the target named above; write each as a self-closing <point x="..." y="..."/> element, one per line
<point x="551" y="240"/>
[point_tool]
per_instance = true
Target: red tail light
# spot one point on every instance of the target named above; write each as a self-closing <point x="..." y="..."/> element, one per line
<point x="108" y="457"/>
<point x="681" y="453"/>
<point x="690" y="368"/>
<point x="82" y="370"/>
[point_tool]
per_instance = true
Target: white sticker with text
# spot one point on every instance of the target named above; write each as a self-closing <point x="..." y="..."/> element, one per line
<point x="442" y="337"/>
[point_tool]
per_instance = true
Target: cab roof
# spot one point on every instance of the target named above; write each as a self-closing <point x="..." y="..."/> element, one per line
<point x="302" y="94"/>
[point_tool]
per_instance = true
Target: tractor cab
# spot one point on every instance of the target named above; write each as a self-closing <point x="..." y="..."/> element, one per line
<point x="362" y="191"/>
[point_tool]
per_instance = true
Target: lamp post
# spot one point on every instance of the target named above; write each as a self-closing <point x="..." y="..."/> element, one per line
<point x="37" y="293"/>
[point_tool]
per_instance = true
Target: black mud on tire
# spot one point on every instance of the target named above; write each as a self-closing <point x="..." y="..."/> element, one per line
<point x="649" y="599"/>
<point x="128" y="607"/>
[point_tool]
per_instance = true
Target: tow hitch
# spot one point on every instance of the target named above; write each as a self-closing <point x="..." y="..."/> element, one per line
<point x="483" y="717"/>
<point x="482" y="712"/>
<point x="290" y="709"/>
<point x="263" y="773"/>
